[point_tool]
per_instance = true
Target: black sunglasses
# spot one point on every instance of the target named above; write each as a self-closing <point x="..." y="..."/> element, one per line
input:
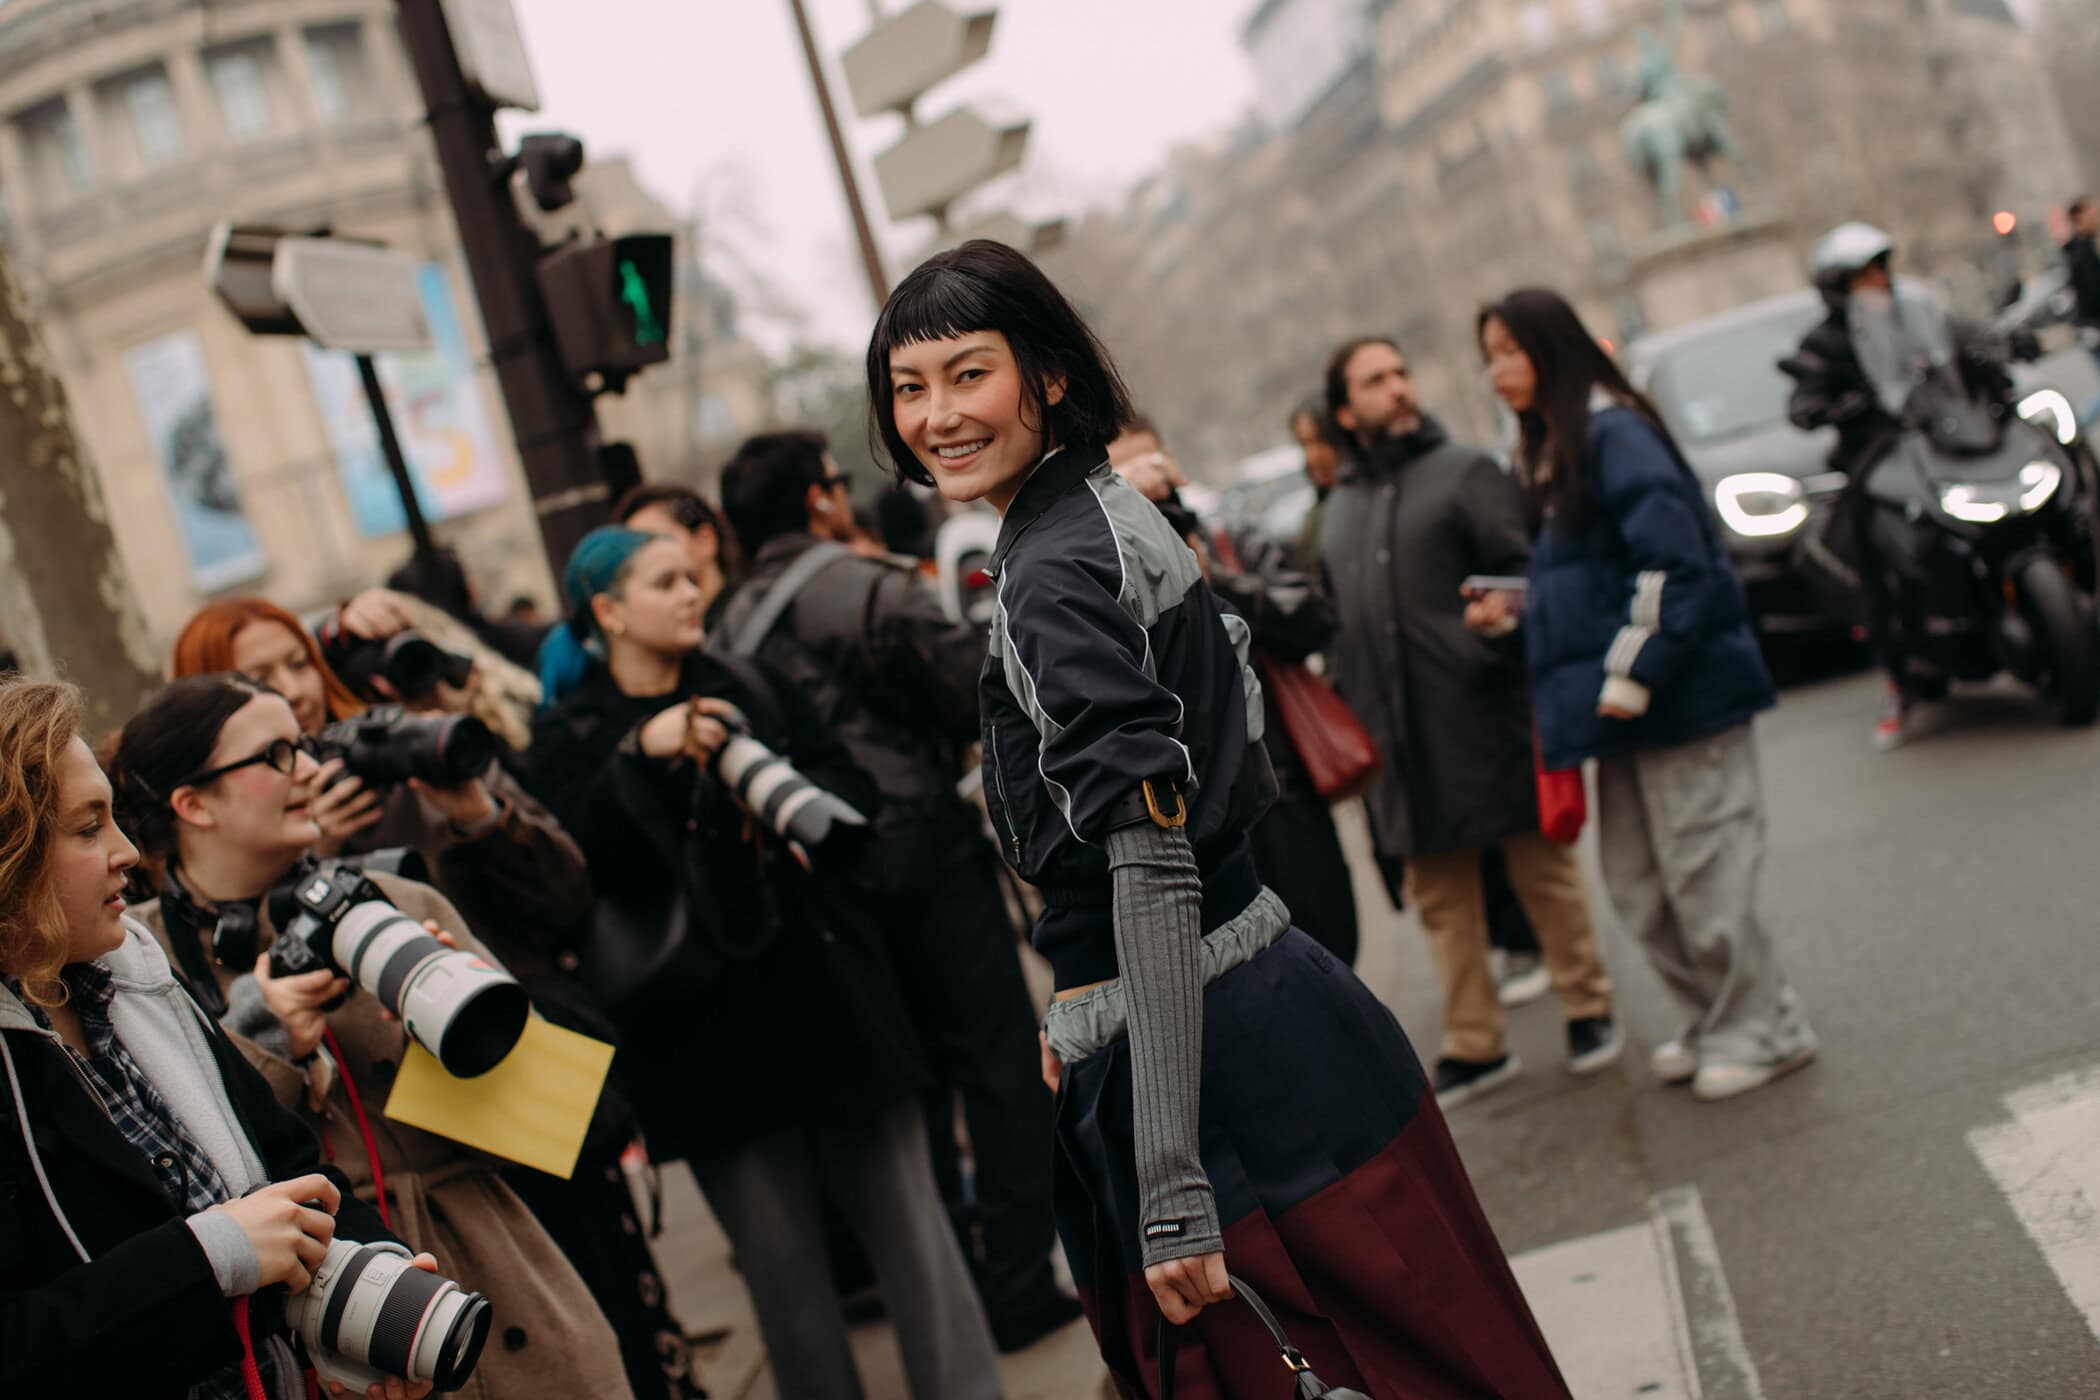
<point x="281" y="754"/>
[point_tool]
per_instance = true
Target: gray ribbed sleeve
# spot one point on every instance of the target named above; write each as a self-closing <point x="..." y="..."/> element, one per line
<point x="1159" y="947"/>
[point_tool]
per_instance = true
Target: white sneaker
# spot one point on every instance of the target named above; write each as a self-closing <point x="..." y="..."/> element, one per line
<point x="1673" y="1062"/>
<point x="1726" y="1081"/>
<point x="1521" y="978"/>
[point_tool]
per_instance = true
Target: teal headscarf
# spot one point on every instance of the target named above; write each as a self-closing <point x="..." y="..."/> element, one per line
<point x="575" y="644"/>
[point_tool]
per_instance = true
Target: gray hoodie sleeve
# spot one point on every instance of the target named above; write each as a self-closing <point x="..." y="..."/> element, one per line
<point x="232" y="1254"/>
<point x="1158" y="908"/>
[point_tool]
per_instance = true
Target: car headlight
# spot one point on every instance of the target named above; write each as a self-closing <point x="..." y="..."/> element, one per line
<point x="2050" y="408"/>
<point x="1989" y="504"/>
<point x="1760" y="504"/>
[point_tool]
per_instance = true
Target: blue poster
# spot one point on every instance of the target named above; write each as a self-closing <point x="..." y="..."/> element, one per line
<point x="173" y="389"/>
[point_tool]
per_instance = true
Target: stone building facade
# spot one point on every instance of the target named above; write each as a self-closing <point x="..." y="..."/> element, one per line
<point x="1478" y="149"/>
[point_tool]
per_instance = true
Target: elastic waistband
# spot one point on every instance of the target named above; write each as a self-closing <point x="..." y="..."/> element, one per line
<point x="1098" y="1017"/>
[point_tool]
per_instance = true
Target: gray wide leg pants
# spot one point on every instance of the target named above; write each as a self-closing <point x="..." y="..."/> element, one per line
<point x="1681" y="836"/>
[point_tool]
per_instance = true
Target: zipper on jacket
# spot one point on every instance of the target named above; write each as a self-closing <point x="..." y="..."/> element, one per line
<point x="1013" y="833"/>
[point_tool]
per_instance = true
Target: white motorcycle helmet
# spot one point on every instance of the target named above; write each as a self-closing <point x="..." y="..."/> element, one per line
<point x="1842" y="253"/>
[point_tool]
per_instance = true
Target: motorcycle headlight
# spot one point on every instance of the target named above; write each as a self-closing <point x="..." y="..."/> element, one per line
<point x="1989" y="504"/>
<point x="2038" y="482"/>
<point x="2049" y="408"/>
<point x="1760" y="504"/>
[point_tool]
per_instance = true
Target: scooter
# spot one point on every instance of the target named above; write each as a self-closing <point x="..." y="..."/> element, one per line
<point x="1983" y="525"/>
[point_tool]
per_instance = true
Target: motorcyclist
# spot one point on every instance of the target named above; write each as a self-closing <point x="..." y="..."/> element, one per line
<point x="1857" y="371"/>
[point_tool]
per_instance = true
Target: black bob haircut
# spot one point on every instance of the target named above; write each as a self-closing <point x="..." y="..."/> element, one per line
<point x="987" y="286"/>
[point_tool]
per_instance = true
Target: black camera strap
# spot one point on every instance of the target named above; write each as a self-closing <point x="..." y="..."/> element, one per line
<point x="750" y="634"/>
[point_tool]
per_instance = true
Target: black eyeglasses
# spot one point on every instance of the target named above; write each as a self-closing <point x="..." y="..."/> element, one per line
<point x="838" y="479"/>
<point x="282" y="755"/>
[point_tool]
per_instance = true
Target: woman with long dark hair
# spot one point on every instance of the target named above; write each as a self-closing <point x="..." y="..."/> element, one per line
<point x="1228" y="1092"/>
<point x="1638" y="640"/>
<point x="768" y="1044"/>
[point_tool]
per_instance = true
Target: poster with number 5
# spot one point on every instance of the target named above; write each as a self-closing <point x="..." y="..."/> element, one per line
<point x="453" y="452"/>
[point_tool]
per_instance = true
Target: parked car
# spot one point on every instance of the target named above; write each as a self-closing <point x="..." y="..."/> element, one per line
<point x="1718" y="385"/>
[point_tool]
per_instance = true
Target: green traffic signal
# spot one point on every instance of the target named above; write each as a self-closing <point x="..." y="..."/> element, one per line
<point x="634" y="290"/>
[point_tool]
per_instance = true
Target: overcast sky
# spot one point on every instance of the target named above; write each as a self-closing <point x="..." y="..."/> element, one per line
<point x="712" y="101"/>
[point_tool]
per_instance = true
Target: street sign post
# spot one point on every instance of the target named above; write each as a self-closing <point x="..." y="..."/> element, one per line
<point x="359" y="297"/>
<point x="341" y="294"/>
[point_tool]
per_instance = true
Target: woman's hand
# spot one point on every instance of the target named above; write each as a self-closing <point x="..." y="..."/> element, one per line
<point x="1490" y="614"/>
<point x="376" y="614"/>
<point x="300" y="1002"/>
<point x="463" y="805"/>
<point x="1610" y="711"/>
<point x="1185" y="1287"/>
<point x="342" y="806"/>
<point x="1053" y="1068"/>
<point x="290" y="1237"/>
<point x="707" y="729"/>
<point x="664" y="733"/>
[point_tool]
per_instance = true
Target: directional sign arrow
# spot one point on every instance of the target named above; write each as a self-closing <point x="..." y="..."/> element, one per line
<point x="935" y="165"/>
<point x="909" y="52"/>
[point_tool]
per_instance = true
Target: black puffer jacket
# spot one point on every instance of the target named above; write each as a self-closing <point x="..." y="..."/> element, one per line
<point x="868" y="645"/>
<point x="1831" y="388"/>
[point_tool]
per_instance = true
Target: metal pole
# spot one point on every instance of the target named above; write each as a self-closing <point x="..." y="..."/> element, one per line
<point x="396" y="462"/>
<point x="550" y="414"/>
<point x="870" y="255"/>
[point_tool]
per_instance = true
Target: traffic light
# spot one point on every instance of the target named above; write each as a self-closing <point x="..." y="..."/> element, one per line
<point x="550" y="159"/>
<point x="609" y="300"/>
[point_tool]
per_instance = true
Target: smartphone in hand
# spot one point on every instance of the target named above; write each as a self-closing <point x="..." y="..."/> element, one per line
<point x="1480" y="585"/>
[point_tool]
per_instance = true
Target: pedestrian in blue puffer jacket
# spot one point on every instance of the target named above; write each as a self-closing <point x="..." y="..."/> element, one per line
<point x="1638" y="641"/>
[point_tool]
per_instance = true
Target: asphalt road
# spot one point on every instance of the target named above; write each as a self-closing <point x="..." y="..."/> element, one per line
<point x="1935" y="908"/>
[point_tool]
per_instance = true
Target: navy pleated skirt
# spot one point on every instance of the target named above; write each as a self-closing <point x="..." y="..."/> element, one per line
<point x="1342" y="1198"/>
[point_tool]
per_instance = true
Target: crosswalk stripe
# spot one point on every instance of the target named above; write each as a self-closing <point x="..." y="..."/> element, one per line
<point x="2047" y="1163"/>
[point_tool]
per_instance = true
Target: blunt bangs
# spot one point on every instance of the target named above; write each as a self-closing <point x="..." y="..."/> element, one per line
<point x="987" y="286"/>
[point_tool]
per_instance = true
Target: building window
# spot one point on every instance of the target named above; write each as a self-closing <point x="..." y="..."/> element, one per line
<point x="335" y="58"/>
<point x="1535" y="21"/>
<point x="1612" y="80"/>
<point x="244" y="100"/>
<point x="1582" y="166"/>
<point x="154" y="120"/>
<point x="1771" y="18"/>
<point x="1604" y="239"/>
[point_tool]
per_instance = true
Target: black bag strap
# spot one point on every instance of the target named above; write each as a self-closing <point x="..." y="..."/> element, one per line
<point x="760" y="621"/>
<point x="1309" y="1386"/>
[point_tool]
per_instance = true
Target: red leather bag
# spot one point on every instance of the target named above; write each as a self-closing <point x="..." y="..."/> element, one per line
<point x="1337" y="749"/>
<point x="1563" y="807"/>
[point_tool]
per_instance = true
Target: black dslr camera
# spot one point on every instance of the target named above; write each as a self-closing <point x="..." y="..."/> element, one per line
<point x="388" y="744"/>
<point x="408" y="661"/>
<point x="331" y="916"/>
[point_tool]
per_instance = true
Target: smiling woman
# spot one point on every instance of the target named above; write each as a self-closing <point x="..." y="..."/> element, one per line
<point x="1227" y="1092"/>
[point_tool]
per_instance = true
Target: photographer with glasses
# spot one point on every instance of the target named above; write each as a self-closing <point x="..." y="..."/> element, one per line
<point x="150" y="1183"/>
<point x="760" y="1018"/>
<point x="216" y="780"/>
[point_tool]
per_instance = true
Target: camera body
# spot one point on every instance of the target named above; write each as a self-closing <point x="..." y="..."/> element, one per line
<point x="389" y="744"/>
<point x="331" y="916"/>
<point x="370" y="1315"/>
<point x="410" y="663"/>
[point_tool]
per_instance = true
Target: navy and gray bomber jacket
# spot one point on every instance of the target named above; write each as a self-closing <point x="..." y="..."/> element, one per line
<point x="1111" y="663"/>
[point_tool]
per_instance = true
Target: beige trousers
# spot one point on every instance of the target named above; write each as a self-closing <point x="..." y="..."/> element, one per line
<point x="1548" y="882"/>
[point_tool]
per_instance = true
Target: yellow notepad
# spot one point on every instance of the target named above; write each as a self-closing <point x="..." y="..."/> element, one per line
<point x="532" y="1108"/>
